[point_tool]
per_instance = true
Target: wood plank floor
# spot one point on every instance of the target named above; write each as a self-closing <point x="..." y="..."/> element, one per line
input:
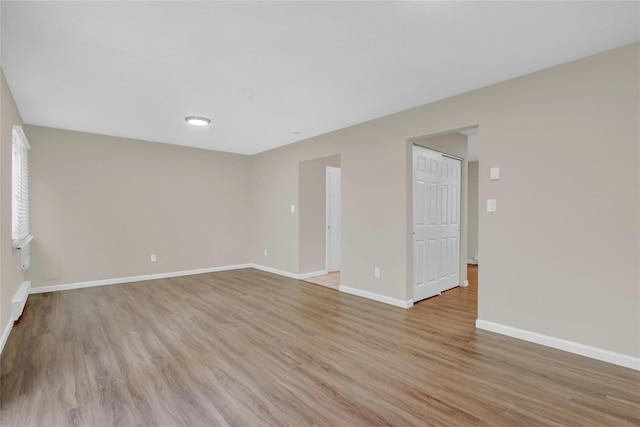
<point x="248" y="348"/>
<point x="331" y="280"/>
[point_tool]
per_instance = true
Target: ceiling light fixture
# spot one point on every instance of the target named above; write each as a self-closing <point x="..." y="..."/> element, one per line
<point x="197" y="121"/>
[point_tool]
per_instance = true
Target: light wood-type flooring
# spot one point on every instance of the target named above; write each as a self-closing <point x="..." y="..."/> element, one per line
<point x="249" y="348"/>
<point x="331" y="280"/>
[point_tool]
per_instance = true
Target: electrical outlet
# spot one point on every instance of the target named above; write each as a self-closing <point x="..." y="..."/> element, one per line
<point x="154" y="258"/>
<point x="376" y="272"/>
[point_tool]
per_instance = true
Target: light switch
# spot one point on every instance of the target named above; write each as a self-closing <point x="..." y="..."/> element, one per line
<point x="293" y="208"/>
<point x="495" y="173"/>
<point x="491" y="205"/>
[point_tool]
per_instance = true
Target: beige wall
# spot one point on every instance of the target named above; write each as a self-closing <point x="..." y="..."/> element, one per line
<point x="102" y="205"/>
<point x="472" y="210"/>
<point x="312" y="196"/>
<point x="364" y="163"/>
<point x="274" y="188"/>
<point x="11" y="275"/>
<point x="455" y="144"/>
<point x="560" y="255"/>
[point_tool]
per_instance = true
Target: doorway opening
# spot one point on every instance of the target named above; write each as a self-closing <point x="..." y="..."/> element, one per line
<point x="319" y="224"/>
<point x="443" y="225"/>
<point x="333" y="221"/>
<point x="436" y="222"/>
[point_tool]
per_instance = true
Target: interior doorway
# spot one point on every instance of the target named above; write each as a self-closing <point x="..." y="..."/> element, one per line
<point x="319" y="221"/>
<point x="457" y="145"/>
<point x="333" y="220"/>
<point x="473" y="204"/>
<point x="436" y="222"/>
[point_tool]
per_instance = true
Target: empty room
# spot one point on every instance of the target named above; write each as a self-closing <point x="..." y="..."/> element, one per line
<point x="309" y="213"/>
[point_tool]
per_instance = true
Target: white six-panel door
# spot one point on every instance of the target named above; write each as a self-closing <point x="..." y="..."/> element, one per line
<point x="436" y="222"/>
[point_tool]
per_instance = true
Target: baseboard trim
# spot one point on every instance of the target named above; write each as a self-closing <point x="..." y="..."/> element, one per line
<point x="275" y="271"/>
<point x="121" y="280"/>
<point x="17" y="306"/>
<point x="20" y="299"/>
<point x="5" y="333"/>
<point x="289" y="274"/>
<point x="560" y="344"/>
<point x="346" y="289"/>
<point x="472" y="261"/>
<point x="312" y="274"/>
<point x="376" y="297"/>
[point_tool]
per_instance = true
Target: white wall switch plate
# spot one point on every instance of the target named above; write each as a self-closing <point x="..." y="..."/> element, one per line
<point x="265" y="252"/>
<point x="495" y="173"/>
<point x="376" y="272"/>
<point x="154" y="258"/>
<point x="491" y="205"/>
<point x="293" y="208"/>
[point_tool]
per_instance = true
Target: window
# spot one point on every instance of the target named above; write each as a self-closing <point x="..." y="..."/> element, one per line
<point x="20" y="190"/>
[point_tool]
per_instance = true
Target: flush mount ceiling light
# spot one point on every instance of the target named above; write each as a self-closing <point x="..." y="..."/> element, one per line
<point x="197" y="121"/>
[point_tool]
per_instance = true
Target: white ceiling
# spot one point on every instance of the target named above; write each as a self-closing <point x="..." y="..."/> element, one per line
<point x="261" y="70"/>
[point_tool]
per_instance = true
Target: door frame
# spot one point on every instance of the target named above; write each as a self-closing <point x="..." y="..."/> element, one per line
<point x="419" y="141"/>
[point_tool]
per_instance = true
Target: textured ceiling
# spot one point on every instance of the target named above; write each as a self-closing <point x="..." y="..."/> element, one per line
<point x="261" y="70"/>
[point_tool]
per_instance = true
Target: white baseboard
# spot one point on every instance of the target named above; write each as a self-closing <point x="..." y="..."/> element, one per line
<point x="5" y="333"/>
<point x="313" y="274"/>
<point x="472" y="261"/>
<point x="17" y="305"/>
<point x="560" y="344"/>
<point x="19" y="300"/>
<point x="346" y="289"/>
<point x="120" y="280"/>
<point x="289" y="274"/>
<point x="275" y="271"/>
<point x="376" y="297"/>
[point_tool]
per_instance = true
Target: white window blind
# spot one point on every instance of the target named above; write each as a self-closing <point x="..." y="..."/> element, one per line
<point x="20" y="189"/>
